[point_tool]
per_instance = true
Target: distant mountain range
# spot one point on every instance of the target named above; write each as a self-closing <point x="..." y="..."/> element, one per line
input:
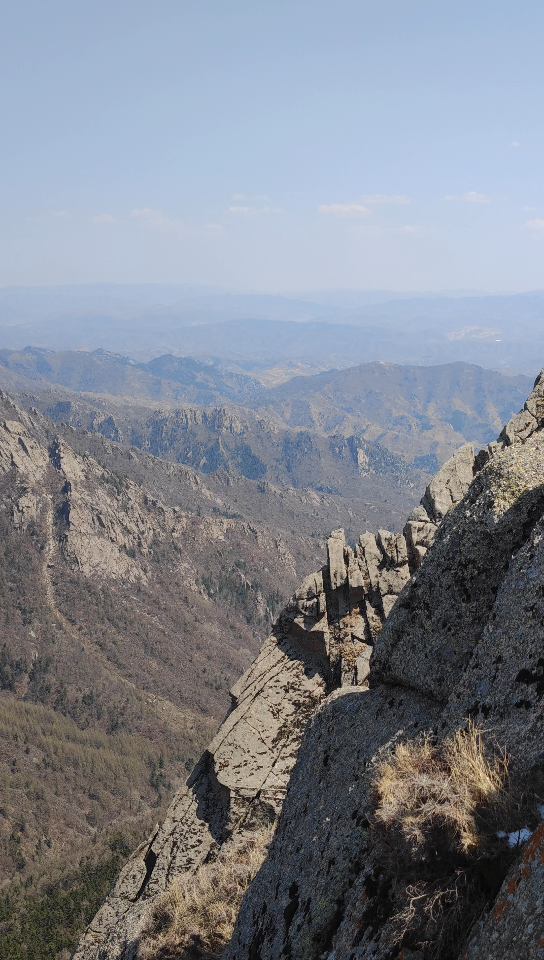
<point x="254" y="331"/>
<point x="337" y="431"/>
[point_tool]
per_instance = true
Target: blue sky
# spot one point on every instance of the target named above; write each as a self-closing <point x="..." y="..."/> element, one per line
<point x="274" y="146"/>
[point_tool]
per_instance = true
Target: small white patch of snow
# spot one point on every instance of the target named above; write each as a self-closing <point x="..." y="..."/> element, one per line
<point x="518" y="837"/>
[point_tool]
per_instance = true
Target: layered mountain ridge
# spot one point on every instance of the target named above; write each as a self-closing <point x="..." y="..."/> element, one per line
<point x="257" y="332"/>
<point x="328" y="431"/>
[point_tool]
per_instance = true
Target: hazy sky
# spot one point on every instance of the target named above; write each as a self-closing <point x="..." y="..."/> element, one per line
<point x="273" y="144"/>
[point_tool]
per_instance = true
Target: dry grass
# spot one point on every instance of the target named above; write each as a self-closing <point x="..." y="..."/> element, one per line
<point x="445" y="793"/>
<point x="437" y="810"/>
<point x="195" y="917"/>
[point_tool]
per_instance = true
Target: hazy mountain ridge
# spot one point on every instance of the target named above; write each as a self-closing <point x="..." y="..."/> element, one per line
<point x="429" y="409"/>
<point x="419" y="413"/>
<point x="338" y="329"/>
<point x="165" y="379"/>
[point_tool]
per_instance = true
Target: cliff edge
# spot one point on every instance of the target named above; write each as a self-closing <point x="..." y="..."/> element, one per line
<point x="387" y="641"/>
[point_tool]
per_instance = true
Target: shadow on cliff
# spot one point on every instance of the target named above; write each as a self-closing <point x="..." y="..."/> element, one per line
<point x="213" y="799"/>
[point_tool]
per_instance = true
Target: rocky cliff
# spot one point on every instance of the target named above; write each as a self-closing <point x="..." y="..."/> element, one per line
<point x="398" y="636"/>
<point x="132" y="595"/>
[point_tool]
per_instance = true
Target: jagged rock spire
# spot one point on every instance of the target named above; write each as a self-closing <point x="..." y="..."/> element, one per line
<point x="322" y="641"/>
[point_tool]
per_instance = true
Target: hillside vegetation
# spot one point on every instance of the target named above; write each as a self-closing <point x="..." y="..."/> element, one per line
<point x="133" y="594"/>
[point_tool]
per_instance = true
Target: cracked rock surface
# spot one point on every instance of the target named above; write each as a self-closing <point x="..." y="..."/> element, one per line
<point x="322" y="641"/>
<point x="398" y="635"/>
<point x="465" y="638"/>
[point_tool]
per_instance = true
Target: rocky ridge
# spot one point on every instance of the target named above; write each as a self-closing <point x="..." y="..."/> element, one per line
<point x="132" y="594"/>
<point x="322" y="641"/>
<point x="465" y="639"/>
<point x="388" y="639"/>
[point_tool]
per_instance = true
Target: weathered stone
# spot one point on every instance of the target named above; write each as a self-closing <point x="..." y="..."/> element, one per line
<point x="450" y="484"/>
<point x="19" y="450"/>
<point x="430" y="636"/>
<point x="446" y="489"/>
<point x="514" y="927"/>
<point x="464" y="638"/>
<point x="503" y="683"/>
<point x="335" y="551"/>
<point x="528" y="420"/>
<point x="322" y="840"/>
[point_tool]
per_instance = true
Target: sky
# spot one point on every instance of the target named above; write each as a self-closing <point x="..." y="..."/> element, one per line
<point x="273" y="145"/>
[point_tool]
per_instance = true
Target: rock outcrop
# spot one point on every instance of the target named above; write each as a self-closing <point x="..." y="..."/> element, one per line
<point x="514" y="926"/>
<point x="464" y="639"/>
<point x="322" y="641"/>
<point x="389" y="639"/>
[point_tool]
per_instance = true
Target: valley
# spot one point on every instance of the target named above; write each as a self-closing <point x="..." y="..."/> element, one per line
<point x="155" y="519"/>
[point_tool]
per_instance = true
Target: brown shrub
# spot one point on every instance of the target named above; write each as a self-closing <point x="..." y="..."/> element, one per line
<point x="437" y="812"/>
<point x="443" y="794"/>
<point x="195" y="917"/>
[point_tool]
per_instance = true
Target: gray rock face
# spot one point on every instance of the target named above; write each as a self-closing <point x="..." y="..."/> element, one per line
<point x="321" y="845"/>
<point x="528" y="420"/>
<point x="449" y="646"/>
<point x="446" y="489"/>
<point x="443" y="611"/>
<point x="515" y="926"/>
<point x="465" y="638"/>
<point x="322" y="640"/>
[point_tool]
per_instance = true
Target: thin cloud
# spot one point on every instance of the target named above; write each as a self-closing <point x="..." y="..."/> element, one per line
<point x="104" y="218"/>
<point x="146" y="213"/>
<point x="251" y="199"/>
<point x="376" y="198"/>
<point x="62" y="214"/>
<point x="247" y="211"/>
<point x="515" y="143"/>
<point x="206" y="228"/>
<point x="408" y="229"/>
<point x="473" y="197"/>
<point x="154" y="218"/>
<point x="351" y="210"/>
<point x="537" y="225"/>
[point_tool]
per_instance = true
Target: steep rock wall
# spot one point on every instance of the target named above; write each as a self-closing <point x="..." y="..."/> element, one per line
<point x="318" y="894"/>
<point x="465" y="638"/>
<point x="322" y="641"/>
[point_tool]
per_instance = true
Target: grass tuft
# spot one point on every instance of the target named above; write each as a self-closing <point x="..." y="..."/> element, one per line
<point x="437" y="812"/>
<point x="195" y="917"/>
<point x="425" y="794"/>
